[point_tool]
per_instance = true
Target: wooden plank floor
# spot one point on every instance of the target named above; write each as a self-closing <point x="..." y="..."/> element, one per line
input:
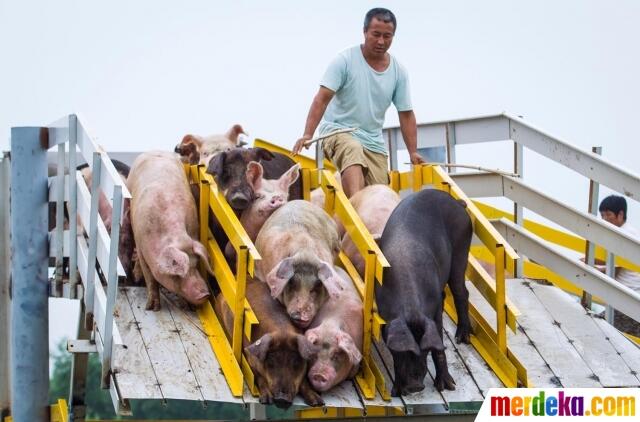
<point x="168" y="354"/>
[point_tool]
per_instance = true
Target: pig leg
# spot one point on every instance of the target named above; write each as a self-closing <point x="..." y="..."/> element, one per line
<point x="153" y="288"/>
<point x="460" y="294"/>
<point x="443" y="378"/>
<point x="309" y="395"/>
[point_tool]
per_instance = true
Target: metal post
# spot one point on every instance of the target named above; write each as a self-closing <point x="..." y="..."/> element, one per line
<point x="73" y="202"/>
<point x="611" y="272"/>
<point x="112" y="284"/>
<point x="319" y="159"/>
<point x="590" y="247"/>
<point x="5" y="279"/>
<point x="30" y="290"/>
<point x="89" y="293"/>
<point x="77" y="385"/>
<point x="518" y="217"/>
<point x="57" y="291"/>
<point x="257" y="412"/>
<point x="393" y="149"/>
<point x="451" y="146"/>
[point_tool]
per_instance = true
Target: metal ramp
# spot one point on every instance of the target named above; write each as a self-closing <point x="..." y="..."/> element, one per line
<point x="525" y="333"/>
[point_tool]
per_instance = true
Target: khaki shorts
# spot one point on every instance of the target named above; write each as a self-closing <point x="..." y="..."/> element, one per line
<point x="345" y="151"/>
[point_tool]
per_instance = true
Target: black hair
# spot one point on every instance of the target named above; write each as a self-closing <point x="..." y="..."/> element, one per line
<point x="615" y="204"/>
<point x="382" y="14"/>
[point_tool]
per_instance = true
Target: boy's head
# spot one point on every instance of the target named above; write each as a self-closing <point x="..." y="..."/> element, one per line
<point x="613" y="209"/>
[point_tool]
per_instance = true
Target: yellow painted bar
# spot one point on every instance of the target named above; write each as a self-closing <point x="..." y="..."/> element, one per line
<point x="347" y="265"/>
<point x="483" y="341"/>
<point x="305" y="162"/>
<point x="366" y="379"/>
<point x="381" y="384"/>
<point x="229" y="221"/>
<point x="203" y="214"/>
<point x="394" y="180"/>
<point x="416" y="179"/>
<point x="314" y="179"/>
<point x="59" y="411"/>
<point x="369" y="284"/>
<point x="487" y="287"/>
<point x="249" y="377"/>
<point x="221" y="348"/>
<point x="238" y="304"/>
<point x="376" y="326"/>
<point x="501" y="319"/>
<point x="632" y="338"/>
<point x="306" y="184"/>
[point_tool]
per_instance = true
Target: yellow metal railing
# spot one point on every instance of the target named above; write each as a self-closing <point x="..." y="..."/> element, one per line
<point x="490" y="342"/>
<point x="58" y="412"/>
<point x="228" y="351"/>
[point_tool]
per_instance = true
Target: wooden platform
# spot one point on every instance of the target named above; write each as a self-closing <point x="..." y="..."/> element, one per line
<point x="167" y="354"/>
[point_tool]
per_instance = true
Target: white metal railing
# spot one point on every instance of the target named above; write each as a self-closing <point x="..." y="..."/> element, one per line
<point x="504" y="127"/>
<point x="92" y="244"/>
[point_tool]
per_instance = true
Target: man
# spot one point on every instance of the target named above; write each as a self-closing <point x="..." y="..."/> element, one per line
<point x="356" y="91"/>
<point x="613" y="209"/>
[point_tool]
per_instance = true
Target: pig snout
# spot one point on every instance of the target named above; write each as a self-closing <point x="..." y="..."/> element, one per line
<point x="276" y="202"/>
<point x="283" y="400"/>
<point x="194" y="289"/>
<point x="301" y="318"/>
<point x="239" y="201"/>
<point x="322" y="378"/>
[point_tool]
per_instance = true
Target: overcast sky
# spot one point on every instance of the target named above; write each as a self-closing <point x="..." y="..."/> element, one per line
<point x="145" y="73"/>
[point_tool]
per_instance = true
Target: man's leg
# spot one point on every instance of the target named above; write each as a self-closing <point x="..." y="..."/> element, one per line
<point x="352" y="180"/>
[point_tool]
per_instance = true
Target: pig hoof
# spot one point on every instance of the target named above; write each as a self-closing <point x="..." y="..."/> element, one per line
<point x="444" y="381"/>
<point x="463" y="335"/>
<point x="265" y="399"/>
<point x="153" y="304"/>
<point x="314" y="400"/>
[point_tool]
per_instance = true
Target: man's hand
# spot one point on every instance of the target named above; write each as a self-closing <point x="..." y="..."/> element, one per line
<point x="300" y="143"/>
<point x="416" y="158"/>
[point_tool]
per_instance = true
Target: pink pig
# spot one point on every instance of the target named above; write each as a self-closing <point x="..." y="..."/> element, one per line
<point x="374" y="204"/>
<point x="336" y="336"/>
<point x="270" y="194"/>
<point x="165" y="226"/>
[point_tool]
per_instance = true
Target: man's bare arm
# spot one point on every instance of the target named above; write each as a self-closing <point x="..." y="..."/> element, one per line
<point x="316" y="111"/>
<point x="409" y="131"/>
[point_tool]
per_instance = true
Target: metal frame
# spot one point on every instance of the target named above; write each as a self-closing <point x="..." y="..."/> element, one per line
<point x="5" y="280"/>
<point x="29" y="341"/>
<point x="579" y="222"/>
<point x="505" y="126"/>
<point x="616" y="294"/>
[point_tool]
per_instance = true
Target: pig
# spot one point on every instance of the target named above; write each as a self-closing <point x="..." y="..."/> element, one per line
<point x="269" y="196"/>
<point x="278" y="358"/>
<point x="298" y="245"/>
<point x="165" y="228"/>
<point x="229" y="171"/>
<point x="336" y="334"/>
<point x="426" y="241"/>
<point x="374" y="204"/>
<point x="195" y="149"/>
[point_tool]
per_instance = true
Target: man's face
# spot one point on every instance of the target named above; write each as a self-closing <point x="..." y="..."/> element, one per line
<point x="612" y="217"/>
<point x="378" y="37"/>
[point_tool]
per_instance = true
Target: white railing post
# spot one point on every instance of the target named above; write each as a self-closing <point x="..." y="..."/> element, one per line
<point x="73" y="206"/>
<point x="5" y="275"/>
<point x="112" y="284"/>
<point x="59" y="233"/>
<point x="518" y="217"/>
<point x="93" y="242"/>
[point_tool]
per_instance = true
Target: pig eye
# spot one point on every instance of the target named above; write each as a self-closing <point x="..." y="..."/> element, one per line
<point x="317" y="288"/>
<point x="259" y="196"/>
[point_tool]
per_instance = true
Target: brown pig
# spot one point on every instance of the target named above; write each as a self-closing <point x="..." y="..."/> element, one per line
<point x="278" y="358"/>
<point x="298" y="245"/>
<point x="269" y="194"/>
<point x="336" y="334"/>
<point x="195" y="149"/>
<point x="374" y="204"/>
<point x="165" y="226"/>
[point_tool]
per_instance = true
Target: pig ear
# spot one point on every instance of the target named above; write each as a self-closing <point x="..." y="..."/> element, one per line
<point x="173" y="262"/>
<point x="254" y="175"/>
<point x="330" y="279"/>
<point x="233" y="133"/>
<point x="290" y="177"/>
<point x="199" y="250"/>
<point x="216" y="164"/>
<point x="346" y="343"/>
<point x="259" y="348"/>
<point x="431" y="339"/>
<point x="399" y="337"/>
<point x="264" y="154"/>
<point x="279" y="276"/>
<point x="190" y="139"/>
<point x="306" y="349"/>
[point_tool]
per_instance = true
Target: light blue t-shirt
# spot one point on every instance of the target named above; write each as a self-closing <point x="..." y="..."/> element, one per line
<point x="362" y="97"/>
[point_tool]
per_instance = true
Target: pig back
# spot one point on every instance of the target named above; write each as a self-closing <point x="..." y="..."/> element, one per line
<point x="297" y="226"/>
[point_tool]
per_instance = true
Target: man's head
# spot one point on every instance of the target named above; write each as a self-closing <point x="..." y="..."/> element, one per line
<point x="379" y="29"/>
<point x="613" y="209"/>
